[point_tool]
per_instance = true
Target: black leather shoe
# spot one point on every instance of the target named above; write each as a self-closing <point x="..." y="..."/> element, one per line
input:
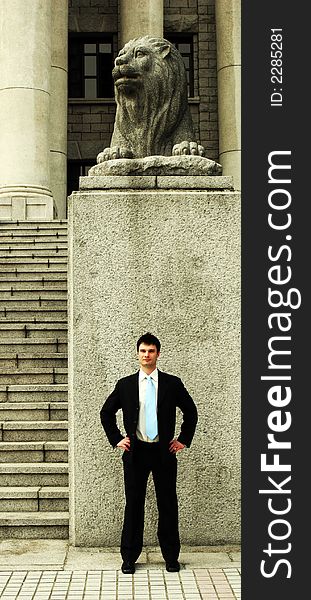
<point x="128" y="568"/>
<point x="173" y="566"/>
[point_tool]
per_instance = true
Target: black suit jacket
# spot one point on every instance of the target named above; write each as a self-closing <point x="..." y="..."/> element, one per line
<point x="171" y="394"/>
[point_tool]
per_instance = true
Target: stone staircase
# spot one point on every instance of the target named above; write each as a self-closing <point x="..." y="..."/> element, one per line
<point x="33" y="380"/>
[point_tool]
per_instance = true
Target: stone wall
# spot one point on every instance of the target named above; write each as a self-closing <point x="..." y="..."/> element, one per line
<point x="90" y="126"/>
<point x="165" y="261"/>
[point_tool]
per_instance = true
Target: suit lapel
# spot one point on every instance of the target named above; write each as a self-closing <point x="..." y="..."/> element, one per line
<point x="133" y="389"/>
<point x="162" y="387"/>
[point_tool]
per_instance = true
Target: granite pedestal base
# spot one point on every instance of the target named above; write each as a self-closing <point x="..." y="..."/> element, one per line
<point x="166" y="261"/>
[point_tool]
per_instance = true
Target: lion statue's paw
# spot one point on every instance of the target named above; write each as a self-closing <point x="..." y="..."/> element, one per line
<point x="113" y="153"/>
<point x="188" y="148"/>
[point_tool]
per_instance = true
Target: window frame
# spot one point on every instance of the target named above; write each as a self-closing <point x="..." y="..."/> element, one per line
<point x="81" y="39"/>
<point x="185" y="38"/>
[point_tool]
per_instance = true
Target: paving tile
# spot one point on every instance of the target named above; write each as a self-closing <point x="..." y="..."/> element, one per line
<point x="204" y="584"/>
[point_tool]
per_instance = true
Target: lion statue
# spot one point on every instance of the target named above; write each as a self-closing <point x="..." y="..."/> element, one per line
<point x="153" y="116"/>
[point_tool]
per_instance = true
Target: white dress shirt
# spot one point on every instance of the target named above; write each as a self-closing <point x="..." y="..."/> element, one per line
<point x="141" y="425"/>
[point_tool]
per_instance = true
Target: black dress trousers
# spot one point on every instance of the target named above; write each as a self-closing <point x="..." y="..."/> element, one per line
<point x="147" y="459"/>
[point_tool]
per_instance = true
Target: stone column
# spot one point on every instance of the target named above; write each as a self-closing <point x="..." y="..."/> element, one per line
<point x="25" y="69"/>
<point x="58" y="110"/>
<point x="142" y="17"/>
<point x="228" y="30"/>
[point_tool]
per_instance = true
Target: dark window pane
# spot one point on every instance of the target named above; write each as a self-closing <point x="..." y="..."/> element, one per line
<point x="90" y="65"/>
<point x="90" y="48"/>
<point x="90" y="88"/>
<point x="105" y="48"/>
<point x="186" y="60"/>
<point x="186" y="48"/>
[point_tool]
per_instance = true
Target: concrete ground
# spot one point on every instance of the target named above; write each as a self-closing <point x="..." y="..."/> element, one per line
<point x="53" y="570"/>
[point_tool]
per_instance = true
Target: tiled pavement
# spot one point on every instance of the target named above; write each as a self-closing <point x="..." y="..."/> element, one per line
<point x="194" y="584"/>
<point x="51" y="570"/>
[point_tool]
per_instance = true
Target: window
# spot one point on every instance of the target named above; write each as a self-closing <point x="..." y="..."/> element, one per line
<point x="184" y="44"/>
<point x="76" y="169"/>
<point x="90" y="64"/>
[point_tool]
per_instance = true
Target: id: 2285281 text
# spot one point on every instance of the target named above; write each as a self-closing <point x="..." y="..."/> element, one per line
<point x="276" y="67"/>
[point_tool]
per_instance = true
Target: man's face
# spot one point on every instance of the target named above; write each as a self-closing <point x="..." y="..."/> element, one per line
<point x="148" y="356"/>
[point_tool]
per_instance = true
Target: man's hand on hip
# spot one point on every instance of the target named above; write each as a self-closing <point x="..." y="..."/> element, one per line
<point x="175" y="446"/>
<point x="124" y="444"/>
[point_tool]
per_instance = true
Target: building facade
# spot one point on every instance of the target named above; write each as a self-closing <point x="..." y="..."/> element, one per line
<point x="57" y="113"/>
<point x="56" y="104"/>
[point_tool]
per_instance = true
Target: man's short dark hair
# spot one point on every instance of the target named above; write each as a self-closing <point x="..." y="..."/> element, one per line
<point x="149" y="339"/>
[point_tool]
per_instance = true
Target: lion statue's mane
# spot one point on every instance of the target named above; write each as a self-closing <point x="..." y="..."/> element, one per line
<point x="151" y="95"/>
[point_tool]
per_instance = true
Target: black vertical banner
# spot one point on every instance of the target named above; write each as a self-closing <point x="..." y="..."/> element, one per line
<point x="276" y="356"/>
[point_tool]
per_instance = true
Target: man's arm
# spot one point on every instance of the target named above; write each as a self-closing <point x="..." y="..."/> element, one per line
<point x="190" y="414"/>
<point x="108" y="417"/>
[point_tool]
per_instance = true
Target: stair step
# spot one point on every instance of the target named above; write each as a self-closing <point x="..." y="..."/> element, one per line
<point x="43" y="288"/>
<point x="21" y="361"/>
<point x="32" y="244"/>
<point x="19" y="499"/>
<point x="12" y="303"/>
<point x="33" y="330"/>
<point x="39" y="315"/>
<point x="34" y="499"/>
<point x="30" y="452"/>
<point x="32" y="345"/>
<point x="21" y="278"/>
<point x="40" y="237"/>
<point x="15" y="277"/>
<point x="14" y="255"/>
<point x="33" y="411"/>
<point x="31" y="518"/>
<point x="17" y="293"/>
<point x="35" y="375"/>
<point x="35" y="225"/>
<point x="31" y="260"/>
<point x="54" y="498"/>
<point x="27" y="271"/>
<point x="59" y="518"/>
<point x="34" y="431"/>
<point x="33" y="393"/>
<point x="34" y="525"/>
<point x="33" y="474"/>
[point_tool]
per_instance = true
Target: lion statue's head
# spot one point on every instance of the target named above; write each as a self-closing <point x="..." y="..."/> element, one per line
<point x="151" y="94"/>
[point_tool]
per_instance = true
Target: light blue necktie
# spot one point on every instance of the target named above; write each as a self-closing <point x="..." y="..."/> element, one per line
<point x="151" y="409"/>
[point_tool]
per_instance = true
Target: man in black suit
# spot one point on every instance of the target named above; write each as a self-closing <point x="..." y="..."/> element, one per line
<point x="148" y="400"/>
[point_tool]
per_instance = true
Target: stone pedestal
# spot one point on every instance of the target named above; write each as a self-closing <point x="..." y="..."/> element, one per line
<point x="153" y="258"/>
